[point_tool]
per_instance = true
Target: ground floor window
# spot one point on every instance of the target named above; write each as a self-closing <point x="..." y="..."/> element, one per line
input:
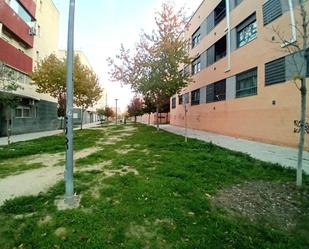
<point x="195" y="97"/>
<point x="216" y="91"/>
<point x="174" y="102"/>
<point x="180" y="99"/>
<point x="24" y="112"/>
<point x="246" y="83"/>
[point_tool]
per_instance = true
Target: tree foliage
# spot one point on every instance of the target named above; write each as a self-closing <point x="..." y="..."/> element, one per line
<point x="153" y="69"/>
<point x="108" y="112"/>
<point x="50" y="77"/>
<point x="8" y="84"/>
<point x="149" y="105"/>
<point x="135" y="108"/>
<point x="101" y="111"/>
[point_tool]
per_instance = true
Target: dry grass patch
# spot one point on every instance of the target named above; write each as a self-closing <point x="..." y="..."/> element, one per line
<point x="271" y="203"/>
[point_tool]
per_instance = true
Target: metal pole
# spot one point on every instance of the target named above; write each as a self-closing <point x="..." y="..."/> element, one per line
<point x="116" y="110"/>
<point x="69" y="187"/>
<point x="228" y="24"/>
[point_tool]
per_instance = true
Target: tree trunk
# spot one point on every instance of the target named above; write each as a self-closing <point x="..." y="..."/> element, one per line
<point x="149" y="118"/>
<point x="8" y="124"/>
<point x="134" y="119"/>
<point x="301" y="144"/>
<point x="82" y="119"/>
<point x="61" y="120"/>
<point x="157" y="112"/>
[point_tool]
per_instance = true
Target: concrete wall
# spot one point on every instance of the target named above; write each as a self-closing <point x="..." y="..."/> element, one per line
<point x="267" y="116"/>
<point x="88" y="117"/>
<point x="152" y="118"/>
<point x="44" y="120"/>
<point x="47" y="39"/>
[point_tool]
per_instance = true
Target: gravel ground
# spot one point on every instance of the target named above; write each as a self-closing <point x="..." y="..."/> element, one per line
<point x="272" y="203"/>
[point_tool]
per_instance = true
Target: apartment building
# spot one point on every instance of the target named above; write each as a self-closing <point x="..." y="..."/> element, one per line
<point x="243" y="77"/>
<point x="28" y="32"/>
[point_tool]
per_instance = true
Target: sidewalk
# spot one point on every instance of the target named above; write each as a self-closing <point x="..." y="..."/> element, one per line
<point x="285" y="156"/>
<point x="34" y="135"/>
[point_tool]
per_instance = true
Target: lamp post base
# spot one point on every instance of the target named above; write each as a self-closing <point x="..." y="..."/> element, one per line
<point x="68" y="202"/>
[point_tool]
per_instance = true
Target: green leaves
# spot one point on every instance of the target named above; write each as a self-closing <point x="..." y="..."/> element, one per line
<point x="153" y="69"/>
<point x="8" y="84"/>
<point x="50" y="77"/>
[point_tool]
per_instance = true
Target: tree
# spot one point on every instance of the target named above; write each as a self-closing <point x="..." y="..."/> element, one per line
<point x="8" y="84"/>
<point x="101" y="113"/>
<point x="87" y="91"/>
<point x="153" y="70"/>
<point x="108" y="112"/>
<point x="135" y="108"/>
<point x="298" y="48"/>
<point x="149" y="106"/>
<point x="50" y="77"/>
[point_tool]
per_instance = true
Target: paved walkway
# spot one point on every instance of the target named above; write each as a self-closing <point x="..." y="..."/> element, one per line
<point x="34" y="135"/>
<point x="266" y="152"/>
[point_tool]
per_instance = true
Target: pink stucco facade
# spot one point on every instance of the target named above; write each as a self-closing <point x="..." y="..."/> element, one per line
<point x="266" y="116"/>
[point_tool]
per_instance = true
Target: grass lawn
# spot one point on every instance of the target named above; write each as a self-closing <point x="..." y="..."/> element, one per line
<point x="152" y="190"/>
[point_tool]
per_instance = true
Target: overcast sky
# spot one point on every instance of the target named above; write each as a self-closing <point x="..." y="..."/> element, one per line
<point x="102" y="25"/>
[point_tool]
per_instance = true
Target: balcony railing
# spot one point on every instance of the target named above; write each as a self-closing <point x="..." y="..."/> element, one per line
<point x="14" y="57"/>
<point x="15" y="24"/>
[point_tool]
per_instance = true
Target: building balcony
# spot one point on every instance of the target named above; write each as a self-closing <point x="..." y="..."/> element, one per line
<point x="15" y="24"/>
<point x="14" y="57"/>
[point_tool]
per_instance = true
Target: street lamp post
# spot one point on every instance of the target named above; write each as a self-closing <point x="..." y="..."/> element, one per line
<point x="116" y="110"/>
<point x="69" y="187"/>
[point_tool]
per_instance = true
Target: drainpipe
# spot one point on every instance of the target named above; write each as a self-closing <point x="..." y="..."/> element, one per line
<point x="293" y="26"/>
<point x="228" y="29"/>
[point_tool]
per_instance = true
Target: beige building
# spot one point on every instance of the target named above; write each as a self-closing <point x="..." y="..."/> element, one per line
<point x="47" y="30"/>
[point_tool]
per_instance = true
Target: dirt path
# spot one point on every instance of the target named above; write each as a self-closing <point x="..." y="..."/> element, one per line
<point x="32" y="182"/>
<point x="29" y="183"/>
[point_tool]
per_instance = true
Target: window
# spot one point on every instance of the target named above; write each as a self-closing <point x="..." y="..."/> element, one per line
<point x="186" y="70"/>
<point x="19" y="9"/>
<point x="23" y="112"/>
<point x="220" y="12"/>
<point x="246" y="83"/>
<point x="246" y="31"/>
<point x="216" y="51"/>
<point x="275" y="71"/>
<point x="174" y="102"/>
<point x="271" y="10"/>
<point x="220" y="48"/>
<point x="237" y="2"/>
<point x="216" y="91"/>
<point x="196" y="65"/>
<point x="196" y="37"/>
<point x="180" y="99"/>
<point x="195" y="97"/>
<point x="18" y="112"/>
